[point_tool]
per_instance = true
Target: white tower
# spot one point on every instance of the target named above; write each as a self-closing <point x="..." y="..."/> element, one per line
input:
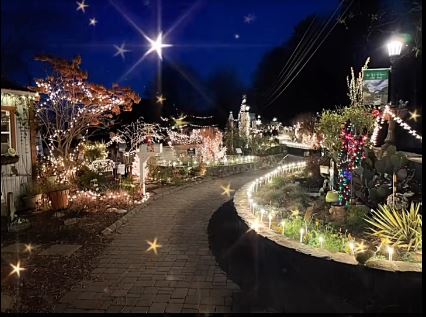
<point x="244" y="118"/>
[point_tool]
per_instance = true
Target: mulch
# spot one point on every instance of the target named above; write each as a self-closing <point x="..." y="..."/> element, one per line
<point x="47" y="278"/>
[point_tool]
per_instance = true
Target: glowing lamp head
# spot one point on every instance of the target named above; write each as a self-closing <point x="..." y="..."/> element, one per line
<point x="394" y="47"/>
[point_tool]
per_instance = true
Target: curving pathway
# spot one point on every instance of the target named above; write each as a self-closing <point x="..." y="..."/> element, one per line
<point x="182" y="277"/>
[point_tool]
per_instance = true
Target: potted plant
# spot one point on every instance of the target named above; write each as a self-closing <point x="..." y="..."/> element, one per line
<point x="31" y="196"/>
<point x="10" y="157"/>
<point x="58" y="194"/>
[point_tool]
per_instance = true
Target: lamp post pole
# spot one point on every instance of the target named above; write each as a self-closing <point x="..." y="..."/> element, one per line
<point x="394" y="50"/>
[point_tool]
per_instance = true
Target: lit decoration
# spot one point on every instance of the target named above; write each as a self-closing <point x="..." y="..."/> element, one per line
<point x="93" y="21"/>
<point x="350" y="157"/>
<point x="380" y="120"/>
<point x="404" y="125"/>
<point x="157" y="45"/>
<point x="352" y="247"/>
<point x="227" y="190"/>
<point x="81" y="6"/>
<point x="282" y="224"/>
<point x="137" y="133"/>
<point x="302" y="231"/>
<point x="153" y="246"/>
<point x="256" y="225"/>
<point x="180" y="122"/>
<point x="390" y="253"/>
<point x="17" y="269"/>
<point x="121" y="50"/>
<point x="68" y="108"/>
<point x="321" y="241"/>
<point x="160" y="99"/>
<point x="237" y="36"/>
<point x="414" y="115"/>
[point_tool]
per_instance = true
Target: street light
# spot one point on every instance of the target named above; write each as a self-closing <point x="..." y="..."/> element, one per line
<point x="394" y="47"/>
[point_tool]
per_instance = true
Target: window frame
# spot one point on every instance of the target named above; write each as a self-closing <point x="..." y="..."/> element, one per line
<point x="12" y="119"/>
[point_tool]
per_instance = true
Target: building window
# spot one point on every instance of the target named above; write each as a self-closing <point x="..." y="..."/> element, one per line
<point x="8" y="138"/>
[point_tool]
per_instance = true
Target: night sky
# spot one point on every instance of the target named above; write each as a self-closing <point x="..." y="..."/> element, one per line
<point x="206" y="35"/>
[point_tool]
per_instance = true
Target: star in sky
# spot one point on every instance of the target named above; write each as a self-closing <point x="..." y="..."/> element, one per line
<point x="17" y="269"/>
<point x="227" y="190"/>
<point x="249" y="18"/>
<point x="121" y="50"/>
<point x="160" y="99"/>
<point x="81" y="6"/>
<point x="237" y="36"/>
<point x="147" y="3"/>
<point x="414" y="115"/>
<point x="93" y="21"/>
<point x="157" y="45"/>
<point x="153" y="246"/>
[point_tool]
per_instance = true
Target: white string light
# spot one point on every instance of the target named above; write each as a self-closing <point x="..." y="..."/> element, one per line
<point x="402" y="124"/>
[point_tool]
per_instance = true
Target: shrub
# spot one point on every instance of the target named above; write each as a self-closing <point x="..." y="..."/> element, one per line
<point x="355" y="217"/>
<point x="402" y="228"/>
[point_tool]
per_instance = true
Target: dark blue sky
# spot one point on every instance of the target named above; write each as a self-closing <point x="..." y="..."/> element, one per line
<point x="204" y="40"/>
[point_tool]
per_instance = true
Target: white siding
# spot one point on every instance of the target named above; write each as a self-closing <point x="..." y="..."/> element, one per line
<point x="10" y="182"/>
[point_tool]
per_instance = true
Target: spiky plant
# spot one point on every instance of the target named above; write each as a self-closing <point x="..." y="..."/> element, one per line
<point x="402" y="228"/>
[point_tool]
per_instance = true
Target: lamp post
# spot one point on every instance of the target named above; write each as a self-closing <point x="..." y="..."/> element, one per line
<point x="394" y="47"/>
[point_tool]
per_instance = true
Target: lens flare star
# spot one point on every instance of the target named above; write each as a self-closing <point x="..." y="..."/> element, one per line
<point x="93" y="21"/>
<point x="121" y="50"/>
<point x="414" y="115"/>
<point x="28" y="248"/>
<point x="157" y="45"/>
<point x="81" y="6"/>
<point x="227" y="190"/>
<point x="153" y="246"/>
<point x="17" y="269"/>
<point x="160" y="99"/>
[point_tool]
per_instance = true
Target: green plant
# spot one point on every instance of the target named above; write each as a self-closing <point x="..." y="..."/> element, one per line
<point x="85" y="177"/>
<point x="402" y="228"/>
<point x="355" y="217"/>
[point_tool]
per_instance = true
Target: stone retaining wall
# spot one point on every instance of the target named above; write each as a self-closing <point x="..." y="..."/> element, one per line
<point x="385" y="285"/>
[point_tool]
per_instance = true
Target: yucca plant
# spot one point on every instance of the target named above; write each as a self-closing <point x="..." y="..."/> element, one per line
<point x="401" y="227"/>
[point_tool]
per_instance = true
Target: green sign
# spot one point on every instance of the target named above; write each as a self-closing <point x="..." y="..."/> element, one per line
<point x="375" y="86"/>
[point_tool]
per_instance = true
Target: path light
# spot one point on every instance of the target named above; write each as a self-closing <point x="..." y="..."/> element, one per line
<point x="270" y="220"/>
<point x="390" y="252"/>
<point x="302" y="231"/>
<point x="262" y="211"/>
<point x="282" y="224"/>
<point x="321" y="240"/>
<point x="352" y="247"/>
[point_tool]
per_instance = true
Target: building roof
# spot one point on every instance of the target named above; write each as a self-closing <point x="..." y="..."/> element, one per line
<point x="7" y="84"/>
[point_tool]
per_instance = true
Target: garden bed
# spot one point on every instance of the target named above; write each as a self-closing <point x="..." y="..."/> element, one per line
<point x="309" y="228"/>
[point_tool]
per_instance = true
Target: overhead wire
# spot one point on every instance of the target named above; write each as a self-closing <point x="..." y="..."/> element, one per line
<point x="289" y="80"/>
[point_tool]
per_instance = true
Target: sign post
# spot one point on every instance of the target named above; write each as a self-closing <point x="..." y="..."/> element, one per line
<point x="146" y="151"/>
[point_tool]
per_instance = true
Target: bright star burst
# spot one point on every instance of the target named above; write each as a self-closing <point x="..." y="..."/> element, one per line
<point x="121" y="50"/>
<point x="179" y="122"/>
<point x="93" y="21"/>
<point x="29" y="248"/>
<point x="17" y="269"/>
<point x="153" y="246"/>
<point x="81" y="6"/>
<point x="157" y="45"/>
<point x="160" y="99"/>
<point x="227" y="190"/>
<point x="414" y="115"/>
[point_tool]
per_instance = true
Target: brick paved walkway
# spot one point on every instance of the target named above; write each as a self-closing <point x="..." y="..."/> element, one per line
<point x="183" y="277"/>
